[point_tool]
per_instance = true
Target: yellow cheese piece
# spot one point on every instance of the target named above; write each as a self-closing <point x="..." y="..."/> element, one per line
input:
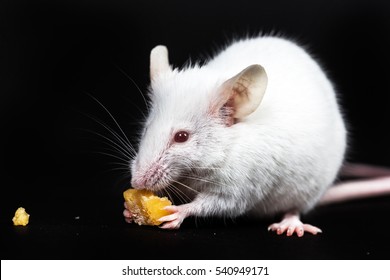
<point x="146" y="207"/>
<point x="21" y="217"/>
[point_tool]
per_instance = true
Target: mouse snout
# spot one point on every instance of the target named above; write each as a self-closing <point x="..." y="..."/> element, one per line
<point x="138" y="183"/>
<point x="151" y="178"/>
<point x="137" y="180"/>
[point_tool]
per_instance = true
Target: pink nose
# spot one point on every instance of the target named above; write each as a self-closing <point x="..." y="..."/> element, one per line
<point x="138" y="183"/>
<point x="147" y="178"/>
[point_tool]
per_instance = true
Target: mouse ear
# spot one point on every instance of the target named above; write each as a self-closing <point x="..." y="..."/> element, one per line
<point x="242" y="94"/>
<point x="159" y="62"/>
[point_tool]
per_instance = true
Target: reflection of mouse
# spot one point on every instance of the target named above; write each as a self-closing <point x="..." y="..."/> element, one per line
<point x="255" y="130"/>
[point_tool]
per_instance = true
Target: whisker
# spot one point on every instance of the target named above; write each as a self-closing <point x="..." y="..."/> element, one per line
<point x="113" y="144"/>
<point x="196" y="222"/>
<point x="165" y="191"/>
<point x="124" y="177"/>
<point x="120" y="168"/>
<point x="119" y="164"/>
<point x="193" y="176"/>
<point x="135" y="84"/>
<point x="111" y="116"/>
<point x="192" y="166"/>
<point x="184" y="185"/>
<point x="207" y="168"/>
<point x="112" y="155"/>
<point x="115" y="152"/>
<point x="202" y="180"/>
<point x="182" y="196"/>
<point x="114" y="133"/>
<point x="121" y="175"/>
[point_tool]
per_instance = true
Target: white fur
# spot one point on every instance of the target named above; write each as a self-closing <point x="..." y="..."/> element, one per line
<point x="280" y="158"/>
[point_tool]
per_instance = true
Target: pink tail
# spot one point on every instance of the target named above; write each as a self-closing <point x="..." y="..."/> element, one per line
<point x="359" y="188"/>
<point x="364" y="170"/>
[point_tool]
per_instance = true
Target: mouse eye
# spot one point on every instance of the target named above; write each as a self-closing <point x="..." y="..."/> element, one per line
<point x="181" y="136"/>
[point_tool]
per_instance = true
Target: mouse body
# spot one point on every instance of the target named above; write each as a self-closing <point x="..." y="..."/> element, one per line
<point x="255" y="130"/>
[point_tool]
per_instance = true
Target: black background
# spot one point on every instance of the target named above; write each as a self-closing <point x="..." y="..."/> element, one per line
<point x="55" y="54"/>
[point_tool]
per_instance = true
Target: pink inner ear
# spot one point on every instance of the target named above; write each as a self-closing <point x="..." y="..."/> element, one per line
<point x="223" y="106"/>
<point x="224" y="112"/>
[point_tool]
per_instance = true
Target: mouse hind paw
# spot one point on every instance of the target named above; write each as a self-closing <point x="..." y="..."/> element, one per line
<point x="292" y="224"/>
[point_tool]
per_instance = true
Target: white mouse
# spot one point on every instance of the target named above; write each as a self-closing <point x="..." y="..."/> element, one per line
<point x="255" y="130"/>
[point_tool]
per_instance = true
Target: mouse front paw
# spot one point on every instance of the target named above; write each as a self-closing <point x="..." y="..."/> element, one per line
<point x="174" y="220"/>
<point x="128" y="215"/>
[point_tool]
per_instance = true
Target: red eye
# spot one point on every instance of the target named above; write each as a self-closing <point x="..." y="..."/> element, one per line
<point x="181" y="136"/>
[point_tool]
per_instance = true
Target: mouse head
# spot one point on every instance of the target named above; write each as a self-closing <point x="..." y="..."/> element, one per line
<point x="188" y="129"/>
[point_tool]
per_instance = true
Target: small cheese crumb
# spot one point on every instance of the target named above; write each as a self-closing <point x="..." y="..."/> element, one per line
<point x="21" y="217"/>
